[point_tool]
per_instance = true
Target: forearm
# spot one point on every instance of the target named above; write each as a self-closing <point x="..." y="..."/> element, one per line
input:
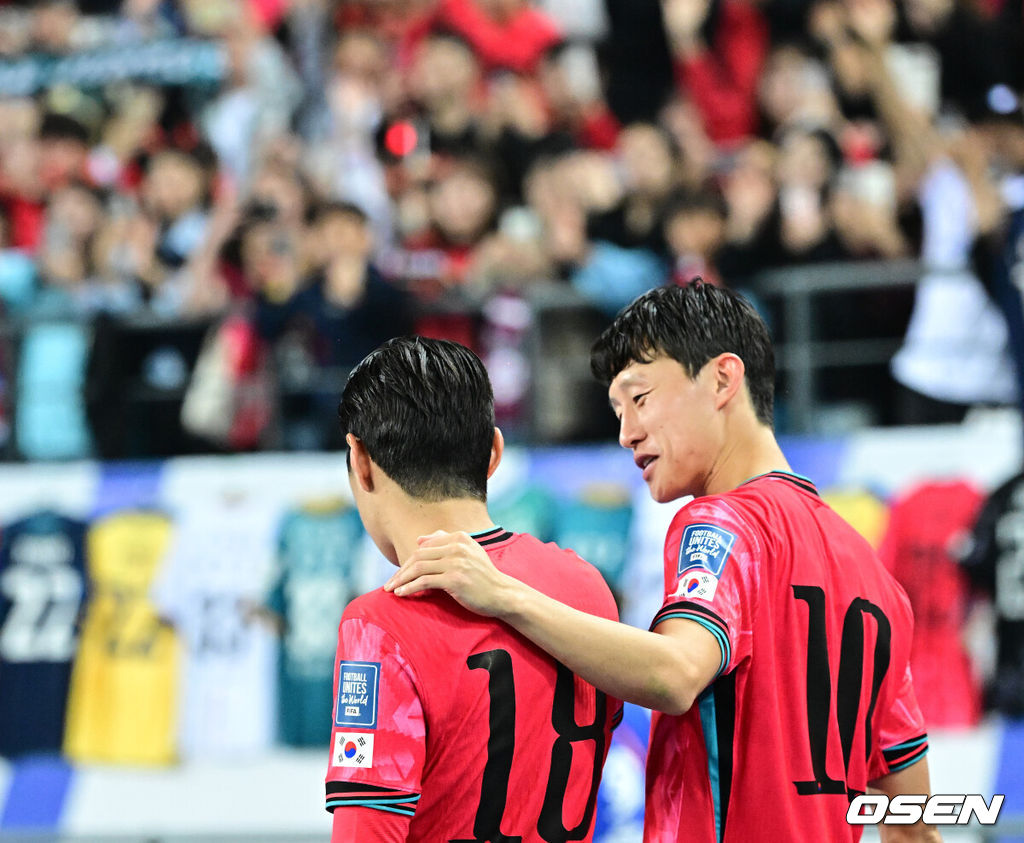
<point x="368" y="825"/>
<point x="631" y="664"/>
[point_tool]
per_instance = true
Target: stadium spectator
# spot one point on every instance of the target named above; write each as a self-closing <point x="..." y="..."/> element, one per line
<point x="327" y="322"/>
<point x="718" y="47"/>
<point x="444" y="81"/>
<point x="695" y="233"/>
<point x="955" y="353"/>
<point x="756" y="566"/>
<point x="583" y="141"/>
<point x="504" y="34"/>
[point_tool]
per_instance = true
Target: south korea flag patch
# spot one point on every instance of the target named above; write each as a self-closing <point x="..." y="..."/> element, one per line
<point x="697" y="584"/>
<point x="353" y="749"/>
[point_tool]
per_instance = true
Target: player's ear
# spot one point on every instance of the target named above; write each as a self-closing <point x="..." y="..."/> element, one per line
<point x="359" y="462"/>
<point x="497" y="449"/>
<point x="728" y="372"/>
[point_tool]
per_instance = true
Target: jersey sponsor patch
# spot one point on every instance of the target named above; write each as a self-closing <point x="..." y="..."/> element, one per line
<point x="696" y="583"/>
<point x="358" y="688"/>
<point x="705" y="546"/>
<point x="353" y="749"/>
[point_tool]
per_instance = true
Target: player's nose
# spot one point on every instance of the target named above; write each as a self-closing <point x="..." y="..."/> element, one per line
<point x="630" y="432"/>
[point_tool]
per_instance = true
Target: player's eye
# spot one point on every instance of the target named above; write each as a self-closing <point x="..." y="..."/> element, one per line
<point x="638" y="399"/>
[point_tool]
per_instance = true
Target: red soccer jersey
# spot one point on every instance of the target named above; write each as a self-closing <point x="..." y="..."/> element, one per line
<point x="927" y="527"/>
<point x="814" y="697"/>
<point x="460" y="723"/>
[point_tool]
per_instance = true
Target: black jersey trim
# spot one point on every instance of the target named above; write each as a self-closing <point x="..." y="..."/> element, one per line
<point x="359" y="795"/>
<point x="689" y="606"/>
<point x="617" y="718"/>
<point x="483" y="534"/>
<point x="906" y="753"/>
<point x="796" y="480"/>
<point x="725" y="723"/>
<point x="358" y="787"/>
<point x="503" y="535"/>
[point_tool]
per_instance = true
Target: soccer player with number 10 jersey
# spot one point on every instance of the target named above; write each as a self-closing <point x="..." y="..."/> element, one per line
<point x="778" y="666"/>
<point x="449" y="727"/>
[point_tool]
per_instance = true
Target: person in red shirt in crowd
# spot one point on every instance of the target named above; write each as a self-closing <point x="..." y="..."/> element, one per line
<point x="718" y="48"/>
<point x="35" y="169"/>
<point x="505" y="34"/>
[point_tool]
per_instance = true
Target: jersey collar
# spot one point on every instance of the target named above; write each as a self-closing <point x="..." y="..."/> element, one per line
<point x="797" y="480"/>
<point x="491" y="536"/>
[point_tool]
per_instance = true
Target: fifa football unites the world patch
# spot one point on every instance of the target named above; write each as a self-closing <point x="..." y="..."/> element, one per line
<point x="358" y="689"/>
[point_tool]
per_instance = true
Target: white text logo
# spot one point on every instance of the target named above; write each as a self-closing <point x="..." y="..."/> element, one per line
<point x="909" y="808"/>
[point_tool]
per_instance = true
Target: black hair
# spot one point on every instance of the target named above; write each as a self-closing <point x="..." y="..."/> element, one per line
<point x="424" y="411"/>
<point x="57" y="127"/>
<point x="690" y="324"/>
<point x="325" y="210"/>
<point x="707" y="200"/>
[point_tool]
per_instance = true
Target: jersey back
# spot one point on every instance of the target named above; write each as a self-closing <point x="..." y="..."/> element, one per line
<point x="464" y="724"/>
<point x="42" y="586"/>
<point x="813" y="698"/>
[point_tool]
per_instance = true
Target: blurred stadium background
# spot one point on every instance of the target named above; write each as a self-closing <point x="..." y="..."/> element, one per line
<point x="211" y="209"/>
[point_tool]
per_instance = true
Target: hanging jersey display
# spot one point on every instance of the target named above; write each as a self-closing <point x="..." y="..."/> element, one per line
<point x="927" y="526"/>
<point x="123" y="702"/>
<point x="42" y="585"/>
<point x="866" y="513"/>
<point x="596" y="525"/>
<point x="318" y="552"/>
<point x="215" y="580"/>
<point x="526" y="509"/>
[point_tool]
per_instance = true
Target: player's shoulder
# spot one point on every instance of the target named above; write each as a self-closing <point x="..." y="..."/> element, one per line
<point x="557" y="571"/>
<point x="728" y="514"/>
<point x="547" y="555"/>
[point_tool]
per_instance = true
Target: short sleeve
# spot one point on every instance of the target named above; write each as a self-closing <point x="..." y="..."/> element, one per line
<point x="711" y="576"/>
<point x="902" y="739"/>
<point x="378" y="733"/>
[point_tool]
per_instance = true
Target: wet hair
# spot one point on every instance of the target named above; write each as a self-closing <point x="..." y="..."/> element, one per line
<point x="690" y="324"/>
<point x="424" y="410"/>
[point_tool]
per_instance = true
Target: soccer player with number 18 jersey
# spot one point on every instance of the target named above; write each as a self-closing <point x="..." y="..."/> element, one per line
<point x="449" y="727"/>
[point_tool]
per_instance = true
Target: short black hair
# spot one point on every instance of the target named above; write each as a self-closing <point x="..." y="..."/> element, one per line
<point x="325" y="210"/>
<point x="691" y="324"/>
<point x="424" y="410"/>
<point x="705" y="200"/>
<point x="57" y="127"/>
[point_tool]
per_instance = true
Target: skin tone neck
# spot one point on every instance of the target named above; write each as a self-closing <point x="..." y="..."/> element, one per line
<point x="396" y="520"/>
<point x="746" y="447"/>
<point x="749" y="449"/>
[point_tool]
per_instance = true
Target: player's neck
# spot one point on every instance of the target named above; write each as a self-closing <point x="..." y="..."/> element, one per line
<point x="414" y="518"/>
<point x="752" y="451"/>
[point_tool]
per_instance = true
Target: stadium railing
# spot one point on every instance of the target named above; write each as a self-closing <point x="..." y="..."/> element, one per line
<point x="562" y="403"/>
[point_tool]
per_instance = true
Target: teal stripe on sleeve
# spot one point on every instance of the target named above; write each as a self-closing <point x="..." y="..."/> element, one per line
<point x="377" y="806"/>
<point x="708" y="726"/>
<point x="908" y="744"/>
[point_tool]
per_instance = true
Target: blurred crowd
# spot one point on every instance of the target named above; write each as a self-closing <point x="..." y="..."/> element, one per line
<point x="315" y="176"/>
